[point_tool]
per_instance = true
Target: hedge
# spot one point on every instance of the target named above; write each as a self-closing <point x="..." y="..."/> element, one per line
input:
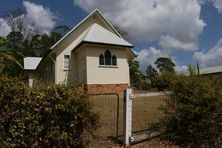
<point x="45" y="116"/>
<point x="193" y="113"/>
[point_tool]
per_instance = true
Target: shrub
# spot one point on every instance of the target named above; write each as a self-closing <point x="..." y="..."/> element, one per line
<point x="46" y="116"/>
<point x="163" y="81"/>
<point x="193" y="113"/>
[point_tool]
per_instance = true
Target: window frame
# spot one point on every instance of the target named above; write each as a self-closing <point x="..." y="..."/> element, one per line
<point x="112" y="60"/>
<point x="108" y="58"/>
<point x="64" y="62"/>
<point x="104" y="56"/>
<point x="101" y="59"/>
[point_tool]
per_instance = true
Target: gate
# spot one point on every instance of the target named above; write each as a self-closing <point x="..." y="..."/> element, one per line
<point x="107" y="106"/>
<point x="142" y="114"/>
<point x="146" y="110"/>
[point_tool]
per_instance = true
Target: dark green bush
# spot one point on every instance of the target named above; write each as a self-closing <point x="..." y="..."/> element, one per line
<point x="163" y="81"/>
<point x="193" y="113"/>
<point x="45" y="116"/>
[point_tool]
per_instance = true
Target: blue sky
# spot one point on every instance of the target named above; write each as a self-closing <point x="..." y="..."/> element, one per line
<point x="184" y="30"/>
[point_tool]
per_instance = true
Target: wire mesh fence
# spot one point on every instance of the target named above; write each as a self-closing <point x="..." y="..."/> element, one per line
<point x="107" y="106"/>
<point x="146" y="111"/>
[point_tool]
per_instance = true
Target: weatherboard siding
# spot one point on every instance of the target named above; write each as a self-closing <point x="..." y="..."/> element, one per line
<point x="107" y="75"/>
<point x="77" y="72"/>
<point x="73" y="76"/>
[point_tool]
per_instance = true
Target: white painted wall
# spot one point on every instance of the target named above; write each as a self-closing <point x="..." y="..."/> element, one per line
<point x="66" y="47"/>
<point x="107" y="75"/>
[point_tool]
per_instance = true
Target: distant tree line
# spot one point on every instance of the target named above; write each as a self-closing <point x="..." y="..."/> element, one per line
<point x="154" y="77"/>
<point x="23" y="41"/>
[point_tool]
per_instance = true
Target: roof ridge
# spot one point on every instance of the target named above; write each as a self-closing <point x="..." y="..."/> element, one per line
<point x="87" y="32"/>
<point x="76" y="26"/>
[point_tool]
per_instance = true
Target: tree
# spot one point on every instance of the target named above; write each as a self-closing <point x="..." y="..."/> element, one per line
<point x="14" y="40"/>
<point x="134" y="73"/>
<point x="15" y="19"/>
<point x="191" y="70"/>
<point x="62" y="29"/>
<point x="40" y="43"/>
<point x="165" y="64"/>
<point x="151" y="72"/>
<point x="9" y="64"/>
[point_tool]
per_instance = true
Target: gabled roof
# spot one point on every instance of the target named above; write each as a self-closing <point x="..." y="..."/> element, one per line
<point x="95" y="12"/>
<point x="31" y="63"/>
<point x="210" y="70"/>
<point x="98" y="34"/>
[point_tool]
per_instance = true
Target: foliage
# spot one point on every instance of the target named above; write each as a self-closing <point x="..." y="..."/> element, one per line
<point x="151" y="72"/>
<point x="14" y="41"/>
<point x="61" y="29"/>
<point x="8" y="60"/>
<point x="193" y="113"/>
<point x="134" y="73"/>
<point x="165" y="64"/>
<point x="163" y="81"/>
<point x="40" y="43"/>
<point x="46" y="116"/>
<point x="191" y="70"/>
<point x="16" y="46"/>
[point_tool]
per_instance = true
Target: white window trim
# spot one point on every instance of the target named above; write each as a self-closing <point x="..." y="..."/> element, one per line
<point x="104" y="60"/>
<point x="108" y="66"/>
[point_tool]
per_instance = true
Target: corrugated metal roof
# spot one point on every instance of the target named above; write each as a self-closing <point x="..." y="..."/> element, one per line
<point x="98" y="34"/>
<point x="31" y="63"/>
<point x="209" y="70"/>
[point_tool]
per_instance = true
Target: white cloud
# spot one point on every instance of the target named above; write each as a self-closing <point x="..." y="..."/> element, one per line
<point x="4" y="28"/>
<point x="148" y="56"/>
<point x="36" y="18"/>
<point x="211" y="57"/>
<point x="148" y="20"/>
<point x="218" y="4"/>
<point x="168" y="42"/>
<point x="39" y="17"/>
<point x="181" y="69"/>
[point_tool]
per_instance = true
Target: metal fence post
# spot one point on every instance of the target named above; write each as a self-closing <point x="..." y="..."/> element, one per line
<point x="127" y="124"/>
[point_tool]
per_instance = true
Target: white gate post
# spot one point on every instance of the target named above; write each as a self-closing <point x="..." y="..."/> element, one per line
<point x="128" y="96"/>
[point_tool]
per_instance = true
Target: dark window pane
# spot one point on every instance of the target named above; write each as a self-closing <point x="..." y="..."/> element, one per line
<point x="114" y="60"/>
<point x="101" y="60"/>
<point x="66" y="61"/>
<point x="107" y="57"/>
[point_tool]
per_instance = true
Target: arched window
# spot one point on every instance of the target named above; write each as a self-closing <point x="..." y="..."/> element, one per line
<point x="101" y="60"/>
<point x="114" y="60"/>
<point x="107" y="57"/>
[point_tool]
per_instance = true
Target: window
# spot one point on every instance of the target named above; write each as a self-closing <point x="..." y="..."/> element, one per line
<point x="107" y="59"/>
<point x="66" y="62"/>
<point x="101" y="60"/>
<point x="114" y="60"/>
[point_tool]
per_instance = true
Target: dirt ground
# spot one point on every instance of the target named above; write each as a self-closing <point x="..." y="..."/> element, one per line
<point x="152" y="143"/>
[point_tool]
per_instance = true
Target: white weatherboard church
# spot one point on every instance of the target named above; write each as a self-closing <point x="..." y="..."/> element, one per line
<point x="93" y="54"/>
